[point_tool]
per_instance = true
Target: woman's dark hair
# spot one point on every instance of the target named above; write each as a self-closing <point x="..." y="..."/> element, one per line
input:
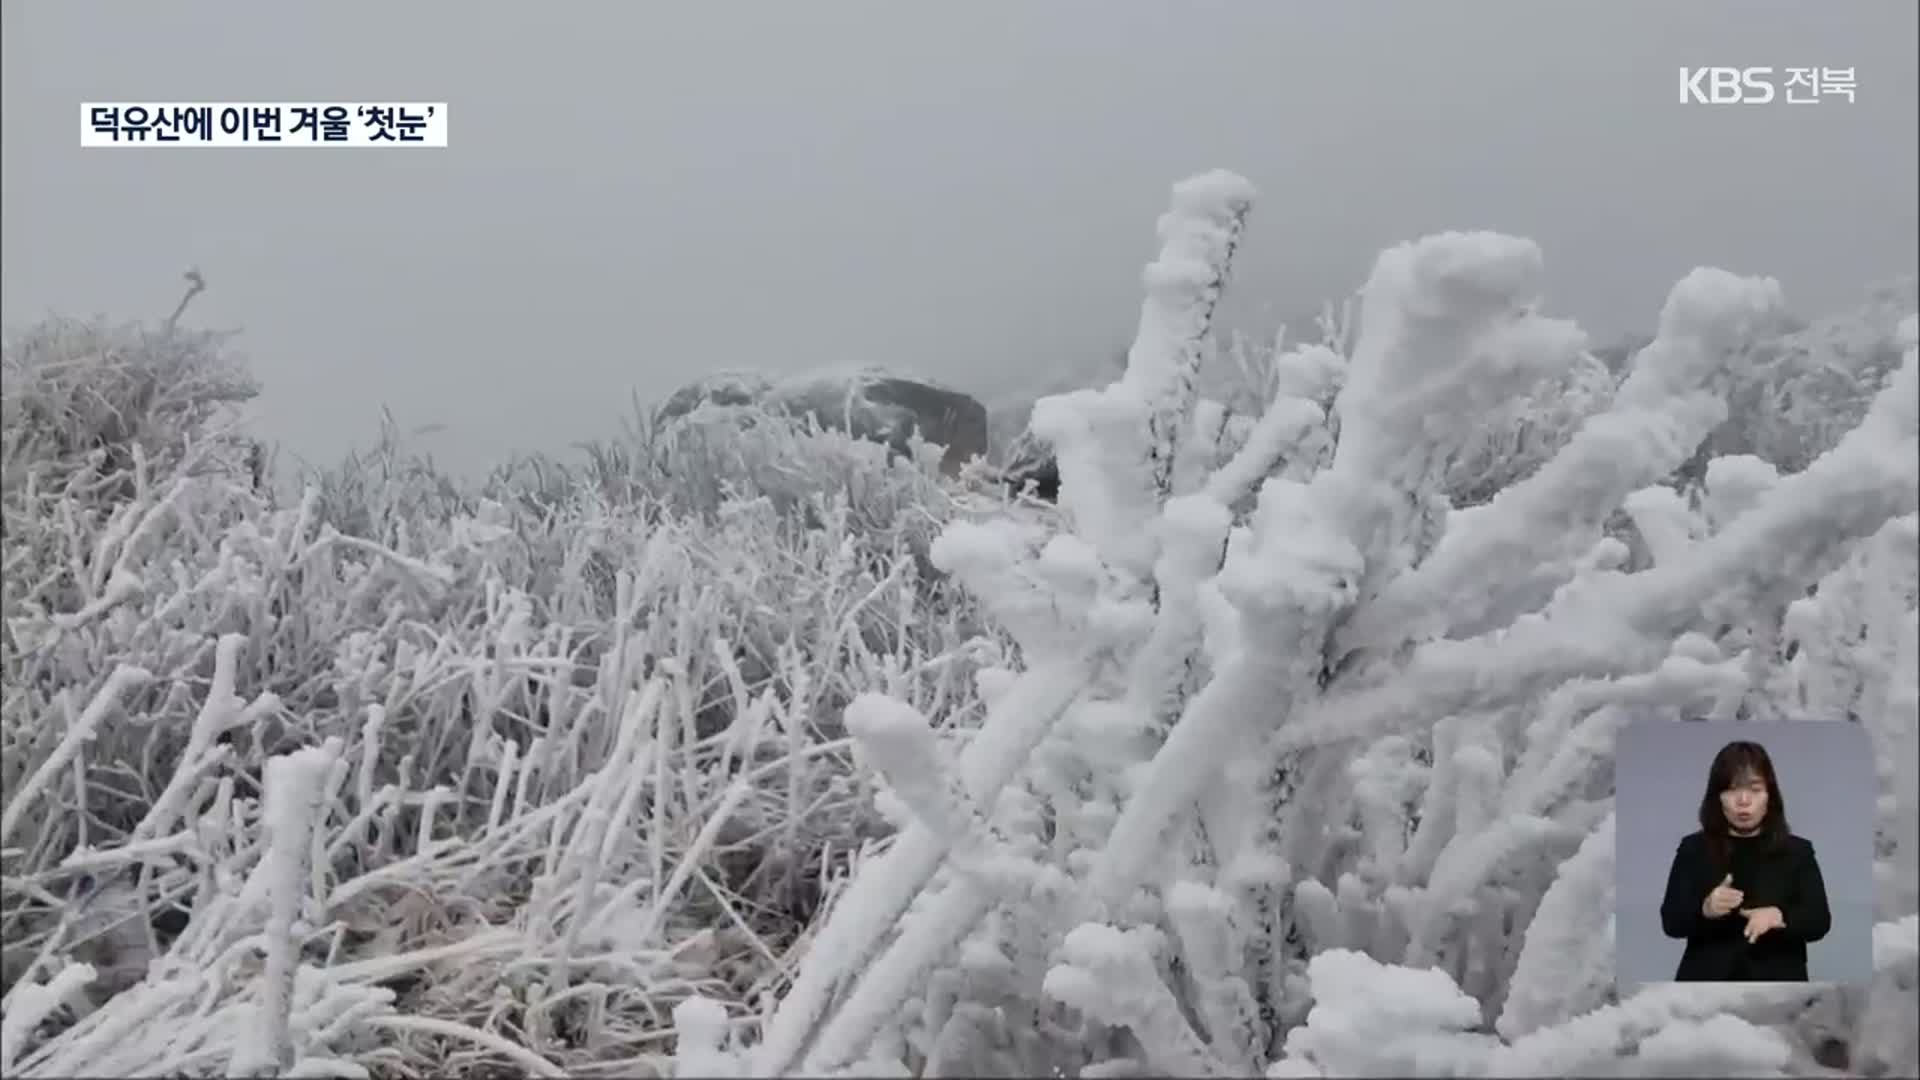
<point x="1735" y="761"/>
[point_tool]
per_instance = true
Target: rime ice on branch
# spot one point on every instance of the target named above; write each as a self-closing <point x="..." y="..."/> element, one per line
<point x="1116" y="446"/>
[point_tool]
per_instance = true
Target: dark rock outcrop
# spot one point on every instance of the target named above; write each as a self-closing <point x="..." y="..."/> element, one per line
<point x="869" y="404"/>
<point x="1032" y="469"/>
<point x="727" y="388"/>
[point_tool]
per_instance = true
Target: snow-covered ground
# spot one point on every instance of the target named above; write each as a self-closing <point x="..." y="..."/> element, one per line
<point x="1281" y="745"/>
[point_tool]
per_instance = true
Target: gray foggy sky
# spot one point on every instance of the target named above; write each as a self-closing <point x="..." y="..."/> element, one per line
<point x="640" y="192"/>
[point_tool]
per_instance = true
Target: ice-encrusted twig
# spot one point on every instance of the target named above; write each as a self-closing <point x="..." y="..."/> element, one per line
<point x="294" y="783"/>
<point x="125" y="679"/>
<point x="1015" y="724"/>
<point x="1115" y="447"/>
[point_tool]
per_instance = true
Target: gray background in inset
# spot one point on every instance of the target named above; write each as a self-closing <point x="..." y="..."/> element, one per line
<point x="1827" y="779"/>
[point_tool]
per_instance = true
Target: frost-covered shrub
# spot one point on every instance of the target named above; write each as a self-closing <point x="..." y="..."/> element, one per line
<point x="85" y="395"/>
<point x="1307" y="766"/>
<point x="1795" y="392"/>
<point x="1524" y="433"/>
<point x="405" y="775"/>
<point x="95" y="414"/>
<point x="714" y="456"/>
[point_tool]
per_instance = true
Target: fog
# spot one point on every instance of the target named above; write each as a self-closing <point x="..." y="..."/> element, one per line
<point x="637" y="193"/>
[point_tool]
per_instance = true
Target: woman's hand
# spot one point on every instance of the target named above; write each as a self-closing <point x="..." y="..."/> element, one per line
<point x="1722" y="899"/>
<point x="1760" y="920"/>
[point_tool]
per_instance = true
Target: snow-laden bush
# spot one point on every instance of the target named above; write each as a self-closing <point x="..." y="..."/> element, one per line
<point x="1794" y="393"/>
<point x="407" y="775"/>
<point x="1308" y="770"/>
<point x="95" y="414"/>
<point x="87" y="397"/>
<point x="1284" y="746"/>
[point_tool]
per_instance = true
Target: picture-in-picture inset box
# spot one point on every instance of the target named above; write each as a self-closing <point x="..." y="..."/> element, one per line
<point x="1743" y="853"/>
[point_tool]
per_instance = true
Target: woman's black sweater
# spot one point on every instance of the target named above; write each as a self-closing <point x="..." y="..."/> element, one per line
<point x="1786" y="876"/>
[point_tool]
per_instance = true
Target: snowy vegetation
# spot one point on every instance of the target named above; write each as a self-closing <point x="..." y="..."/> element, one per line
<point x="1281" y="744"/>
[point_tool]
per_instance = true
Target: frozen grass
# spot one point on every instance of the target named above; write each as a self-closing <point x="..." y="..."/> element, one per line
<point x="581" y="730"/>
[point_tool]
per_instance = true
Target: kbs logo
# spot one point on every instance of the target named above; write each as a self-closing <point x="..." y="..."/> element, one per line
<point x="1726" y="86"/>
<point x="1757" y="86"/>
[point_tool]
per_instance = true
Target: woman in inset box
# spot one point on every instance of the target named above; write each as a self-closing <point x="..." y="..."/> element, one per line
<point x="1744" y="892"/>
